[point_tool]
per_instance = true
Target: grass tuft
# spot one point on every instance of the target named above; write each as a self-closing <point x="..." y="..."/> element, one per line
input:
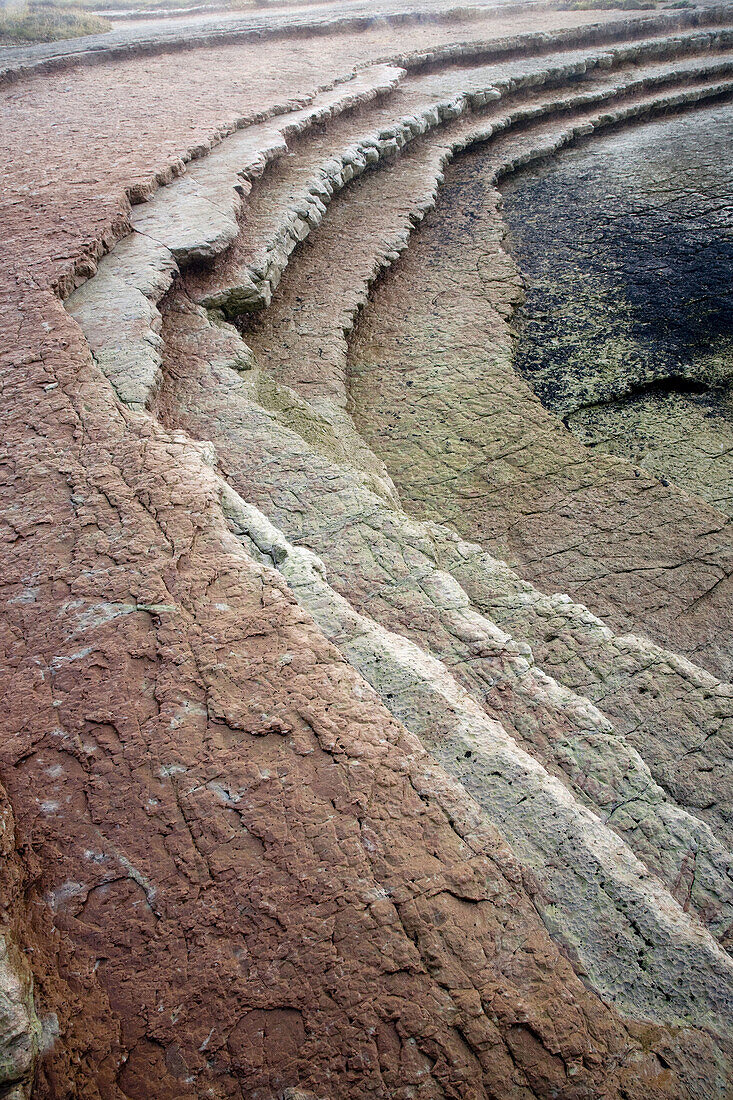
<point x="44" y="22"/>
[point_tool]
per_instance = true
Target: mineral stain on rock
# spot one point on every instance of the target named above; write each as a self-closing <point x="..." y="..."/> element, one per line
<point x="627" y="329"/>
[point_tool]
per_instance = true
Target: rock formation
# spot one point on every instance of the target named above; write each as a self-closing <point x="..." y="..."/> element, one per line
<point x="367" y="734"/>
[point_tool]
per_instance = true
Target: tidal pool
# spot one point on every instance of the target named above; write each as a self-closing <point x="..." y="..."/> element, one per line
<point x="626" y="245"/>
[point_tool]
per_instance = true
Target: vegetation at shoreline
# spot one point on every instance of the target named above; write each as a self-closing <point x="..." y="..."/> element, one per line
<point x="45" y="22"/>
<point x="52" y="16"/>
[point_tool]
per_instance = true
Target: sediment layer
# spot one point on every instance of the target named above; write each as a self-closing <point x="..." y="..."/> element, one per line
<point x="380" y="740"/>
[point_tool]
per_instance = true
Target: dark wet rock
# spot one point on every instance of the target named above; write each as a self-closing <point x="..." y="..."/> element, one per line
<point x="627" y="329"/>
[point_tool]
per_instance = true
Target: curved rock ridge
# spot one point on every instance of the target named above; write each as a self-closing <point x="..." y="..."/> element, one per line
<point x="254" y="270"/>
<point x="196" y="216"/>
<point x="193" y="218"/>
<point x="412" y="914"/>
<point x="341" y="525"/>
<point x="596" y="874"/>
<point x="161" y="218"/>
<point x="317" y="792"/>
<point x="354" y="16"/>
<point x="416" y="110"/>
<point x="350" y="16"/>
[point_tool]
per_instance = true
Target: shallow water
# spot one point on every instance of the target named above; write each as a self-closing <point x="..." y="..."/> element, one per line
<point x="626" y="244"/>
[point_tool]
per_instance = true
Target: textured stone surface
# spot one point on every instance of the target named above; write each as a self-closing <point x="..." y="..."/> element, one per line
<point x="142" y="37"/>
<point x="661" y="566"/>
<point x="383" y="819"/>
<point x="20" y="1029"/>
<point x="652" y="382"/>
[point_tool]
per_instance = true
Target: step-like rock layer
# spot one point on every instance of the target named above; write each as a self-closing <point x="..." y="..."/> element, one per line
<point x="16" y="63"/>
<point x="668" y="580"/>
<point x="570" y="738"/>
<point x="263" y="750"/>
<point x="582" y="870"/>
<point x="296" y="358"/>
<point x="310" y="177"/>
<point x="193" y="218"/>
<point x="505" y="782"/>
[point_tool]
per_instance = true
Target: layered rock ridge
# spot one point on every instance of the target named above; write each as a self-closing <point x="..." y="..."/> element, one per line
<point x="333" y="393"/>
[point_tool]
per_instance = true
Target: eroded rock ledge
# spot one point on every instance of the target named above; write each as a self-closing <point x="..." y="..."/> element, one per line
<point x="326" y="781"/>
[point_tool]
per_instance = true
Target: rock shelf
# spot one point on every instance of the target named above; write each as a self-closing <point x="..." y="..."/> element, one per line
<point x="375" y="736"/>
